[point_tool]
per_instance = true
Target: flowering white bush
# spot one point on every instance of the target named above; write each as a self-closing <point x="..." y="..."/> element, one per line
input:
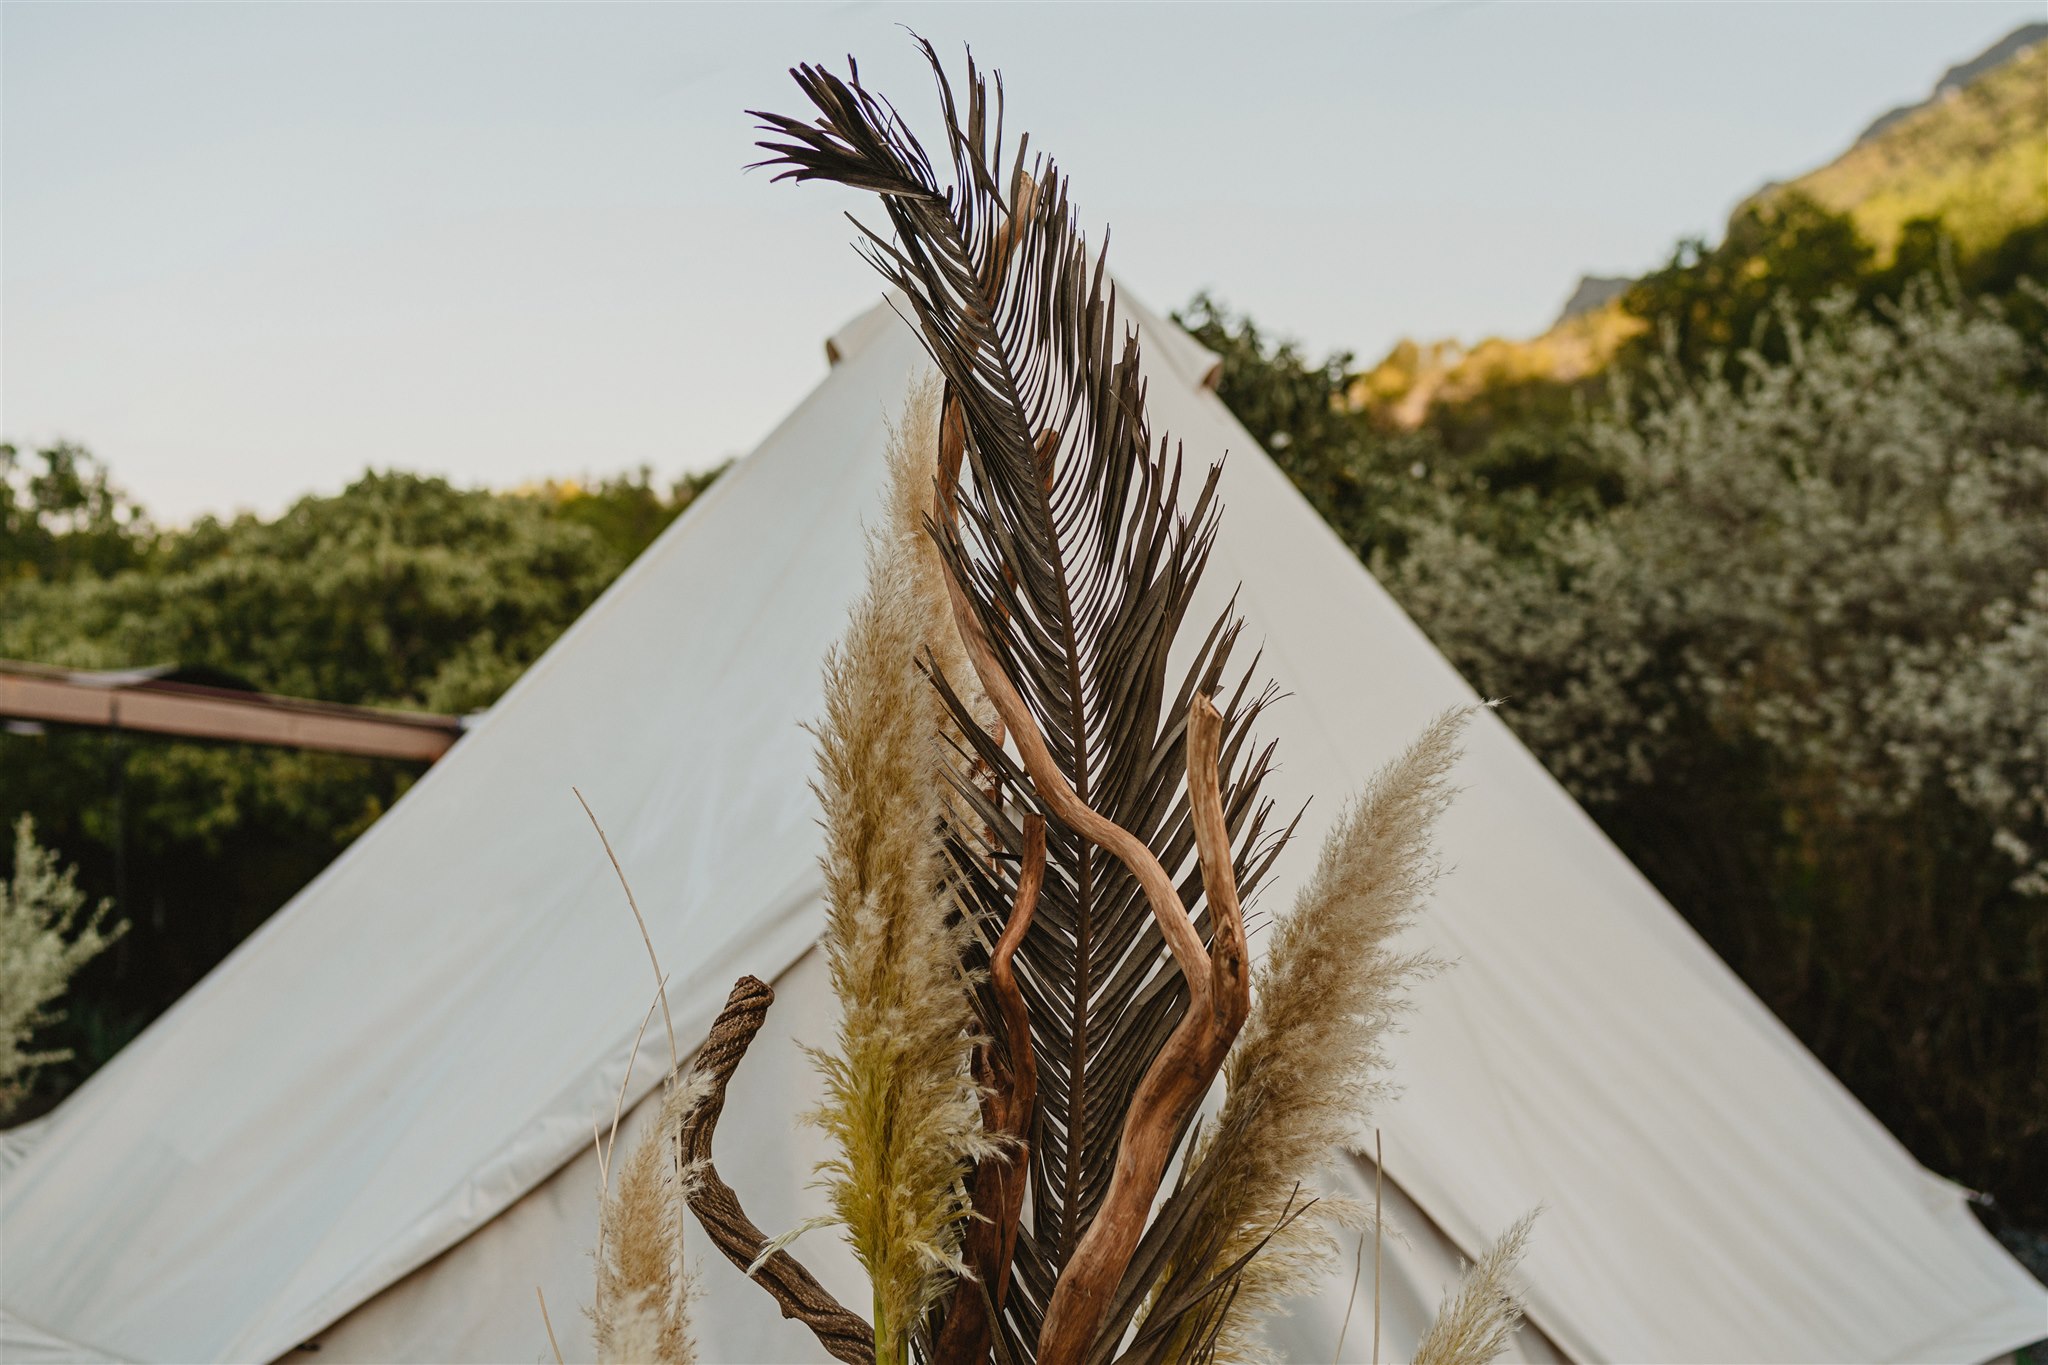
<point x="45" y="937"/>
<point x="1800" y="671"/>
<point x="1975" y="716"/>
<point x="1843" y="558"/>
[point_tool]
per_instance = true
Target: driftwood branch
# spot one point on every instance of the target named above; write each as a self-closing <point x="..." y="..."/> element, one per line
<point x="1051" y="785"/>
<point x="1008" y="1072"/>
<point x="844" y="1335"/>
<point x="1173" y="1086"/>
<point x="1218" y="982"/>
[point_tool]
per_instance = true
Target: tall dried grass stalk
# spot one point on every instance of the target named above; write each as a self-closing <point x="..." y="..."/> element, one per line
<point x="1311" y="1063"/>
<point x="901" y="1103"/>
<point x="1478" y="1318"/>
<point x="643" y="1285"/>
<point x="549" y="1323"/>
<point x="641" y="1315"/>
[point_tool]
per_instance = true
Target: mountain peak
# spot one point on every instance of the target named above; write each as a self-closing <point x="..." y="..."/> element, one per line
<point x="1592" y="293"/>
<point x="1960" y="75"/>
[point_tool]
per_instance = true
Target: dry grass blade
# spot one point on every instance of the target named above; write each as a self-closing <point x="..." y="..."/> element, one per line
<point x="1379" y="1229"/>
<point x="606" y="1146"/>
<point x="548" y="1323"/>
<point x="1351" y="1301"/>
<point x="641" y="1311"/>
<point x="660" y="979"/>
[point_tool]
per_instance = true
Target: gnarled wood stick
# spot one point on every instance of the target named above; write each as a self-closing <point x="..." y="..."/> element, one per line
<point x="844" y="1335"/>
<point x="1228" y="951"/>
<point x="1046" y="778"/>
<point x="1009" y="1073"/>
<point x="1173" y="1086"/>
<point x="1218" y="982"/>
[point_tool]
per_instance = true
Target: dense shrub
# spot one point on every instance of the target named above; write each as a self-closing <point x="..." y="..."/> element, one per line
<point x="46" y="935"/>
<point x="1800" y="670"/>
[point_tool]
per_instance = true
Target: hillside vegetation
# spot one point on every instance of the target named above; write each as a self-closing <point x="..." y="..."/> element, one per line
<point x="1758" y="553"/>
<point x="1779" y="620"/>
<point x="1972" y="159"/>
<point x="1975" y="158"/>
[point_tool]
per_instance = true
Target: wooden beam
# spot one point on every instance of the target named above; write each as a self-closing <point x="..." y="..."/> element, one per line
<point x="136" y="702"/>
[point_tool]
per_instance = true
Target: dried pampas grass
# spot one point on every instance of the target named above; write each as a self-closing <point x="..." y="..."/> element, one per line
<point x="1478" y="1318"/>
<point x="913" y="456"/>
<point x="1311" y="1063"/>
<point x="641" y="1315"/>
<point x="901" y="1103"/>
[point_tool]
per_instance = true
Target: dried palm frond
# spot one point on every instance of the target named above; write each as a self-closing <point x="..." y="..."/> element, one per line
<point x="1073" y="563"/>
<point x="1101" y="822"/>
<point x="900" y="1102"/>
<point x="1478" y="1318"/>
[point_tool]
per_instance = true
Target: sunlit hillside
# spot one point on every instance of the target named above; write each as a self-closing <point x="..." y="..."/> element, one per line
<point x="1974" y="156"/>
<point x="1415" y="376"/>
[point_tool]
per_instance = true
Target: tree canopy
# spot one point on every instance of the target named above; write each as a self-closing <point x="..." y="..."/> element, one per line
<point x="401" y="590"/>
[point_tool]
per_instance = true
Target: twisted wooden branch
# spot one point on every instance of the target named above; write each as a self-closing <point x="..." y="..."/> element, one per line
<point x="1046" y="778"/>
<point x="1218" y="982"/>
<point x="844" y="1335"/>
<point x="1173" y="1086"/>
<point x="1008" y="1072"/>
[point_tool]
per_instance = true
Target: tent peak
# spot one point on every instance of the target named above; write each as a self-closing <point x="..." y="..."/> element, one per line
<point x="1190" y="359"/>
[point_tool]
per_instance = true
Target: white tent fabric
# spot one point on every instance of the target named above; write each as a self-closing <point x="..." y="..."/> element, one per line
<point x="544" y="1240"/>
<point x="411" y="1056"/>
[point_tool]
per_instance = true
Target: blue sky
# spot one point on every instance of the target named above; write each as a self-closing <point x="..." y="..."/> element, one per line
<point x="247" y="250"/>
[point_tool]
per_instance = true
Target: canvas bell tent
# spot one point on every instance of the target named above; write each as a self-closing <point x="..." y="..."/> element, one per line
<point x="370" y="1130"/>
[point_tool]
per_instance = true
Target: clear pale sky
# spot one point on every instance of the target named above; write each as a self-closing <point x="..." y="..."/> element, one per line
<point x="247" y="250"/>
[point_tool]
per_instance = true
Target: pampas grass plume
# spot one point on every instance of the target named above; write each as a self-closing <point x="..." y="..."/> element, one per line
<point x="1478" y="1318"/>
<point x="1311" y="1063"/>
<point x="641" y="1316"/>
<point x="901" y="1103"/>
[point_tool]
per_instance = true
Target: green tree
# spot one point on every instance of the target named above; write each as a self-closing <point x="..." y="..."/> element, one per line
<point x="46" y="935"/>
<point x="61" y="516"/>
<point x="400" y="591"/>
<point x="1374" y="485"/>
<point x="1297" y="409"/>
<point x="1784" y="252"/>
